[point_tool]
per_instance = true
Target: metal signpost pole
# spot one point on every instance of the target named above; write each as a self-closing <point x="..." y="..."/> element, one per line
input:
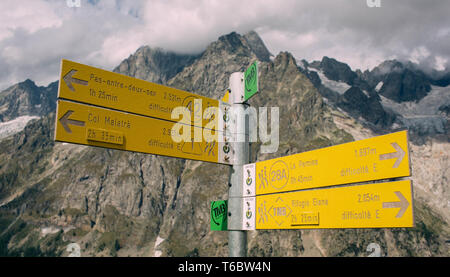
<point x="237" y="238"/>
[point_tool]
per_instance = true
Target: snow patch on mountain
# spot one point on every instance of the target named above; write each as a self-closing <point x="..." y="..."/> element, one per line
<point x="378" y="87"/>
<point x="49" y="230"/>
<point x="157" y="252"/>
<point x="423" y="117"/>
<point x="339" y="87"/>
<point x="14" y="126"/>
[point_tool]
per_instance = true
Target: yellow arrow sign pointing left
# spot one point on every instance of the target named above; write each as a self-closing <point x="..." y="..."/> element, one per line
<point x="69" y="79"/>
<point x="95" y="126"/>
<point x="65" y="121"/>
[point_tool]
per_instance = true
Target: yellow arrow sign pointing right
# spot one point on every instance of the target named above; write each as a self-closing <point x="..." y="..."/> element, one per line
<point x="352" y="162"/>
<point x="362" y="206"/>
<point x="403" y="204"/>
<point x="399" y="155"/>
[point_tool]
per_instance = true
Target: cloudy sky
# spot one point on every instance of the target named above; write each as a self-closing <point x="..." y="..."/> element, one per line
<point x="36" y="34"/>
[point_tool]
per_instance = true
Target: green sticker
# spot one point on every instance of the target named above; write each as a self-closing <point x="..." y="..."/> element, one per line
<point x="219" y="210"/>
<point x="251" y="81"/>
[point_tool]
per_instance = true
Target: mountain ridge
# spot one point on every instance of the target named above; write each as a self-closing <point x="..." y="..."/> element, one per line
<point x="25" y="98"/>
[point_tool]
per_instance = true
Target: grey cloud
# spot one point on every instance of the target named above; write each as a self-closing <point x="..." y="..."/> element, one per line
<point x="101" y="33"/>
<point x="351" y="29"/>
<point x="37" y="55"/>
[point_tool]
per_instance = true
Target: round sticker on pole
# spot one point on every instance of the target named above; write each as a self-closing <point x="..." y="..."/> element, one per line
<point x="219" y="211"/>
<point x="251" y="81"/>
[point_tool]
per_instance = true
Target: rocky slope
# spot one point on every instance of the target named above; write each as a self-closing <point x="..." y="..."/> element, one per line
<point x="115" y="203"/>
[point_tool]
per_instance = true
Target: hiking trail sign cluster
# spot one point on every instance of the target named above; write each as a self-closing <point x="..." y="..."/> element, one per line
<point x="298" y="191"/>
<point x="106" y="109"/>
<point x="316" y="189"/>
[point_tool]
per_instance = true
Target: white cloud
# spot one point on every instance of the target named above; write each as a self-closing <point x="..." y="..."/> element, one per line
<point x="80" y="34"/>
<point x="440" y="63"/>
<point x="419" y="53"/>
<point x="36" y="34"/>
<point x="30" y="16"/>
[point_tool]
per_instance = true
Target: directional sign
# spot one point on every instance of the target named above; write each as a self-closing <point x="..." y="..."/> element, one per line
<point x="376" y="158"/>
<point x="251" y="81"/>
<point x="380" y="205"/>
<point x="219" y="215"/>
<point x="90" y="85"/>
<point x="95" y="126"/>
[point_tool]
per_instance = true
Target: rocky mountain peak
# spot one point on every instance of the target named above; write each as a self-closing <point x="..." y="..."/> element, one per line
<point x="28" y="83"/>
<point x="399" y="82"/>
<point x="26" y="98"/>
<point x="208" y="74"/>
<point x="286" y="59"/>
<point x="387" y="67"/>
<point x="249" y="44"/>
<point x="232" y="40"/>
<point x="257" y="45"/>
<point x="405" y="85"/>
<point x="154" y="64"/>
<point x="230" y="44"/>
<point x="337" y="71"/>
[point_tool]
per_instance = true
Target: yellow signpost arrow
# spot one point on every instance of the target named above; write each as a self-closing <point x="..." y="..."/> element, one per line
<point x="399" y="154"/>
<point x="358" y="161"/>
<point x="65" y="121"/>
<point x="362" y="206"/>
<point x="69" y="79"/>
<point x="403" y="204"/>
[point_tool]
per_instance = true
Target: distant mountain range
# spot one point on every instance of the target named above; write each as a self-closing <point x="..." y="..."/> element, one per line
<point x="25" y="98"/>
<point x="392" y="95"/>
<point x="389" y="97"/>
<point x="116" y="203"/>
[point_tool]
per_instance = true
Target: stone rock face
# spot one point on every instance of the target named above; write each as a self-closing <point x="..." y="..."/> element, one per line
<point x="360" y="104"/>
<point x="116" y="203"/>
<point x="349" y="91"/>
<point x="400" y="83"/>
<point x="257" y="46"/>
<point x="405" y="86"/>
<point x="156" y="64"/>
<point x="26" y="98"/>
<point x="337" y="71"/>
